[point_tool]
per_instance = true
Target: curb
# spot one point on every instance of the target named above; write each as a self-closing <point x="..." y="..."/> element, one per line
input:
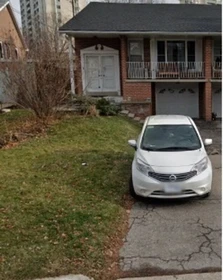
<point x="197" y="276"/>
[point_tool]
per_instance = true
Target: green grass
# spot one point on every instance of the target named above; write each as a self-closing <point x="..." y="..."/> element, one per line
<point x="56" y="214"/>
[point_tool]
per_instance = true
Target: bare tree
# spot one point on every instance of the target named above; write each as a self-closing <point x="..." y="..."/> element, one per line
<point x="41" y="81"/>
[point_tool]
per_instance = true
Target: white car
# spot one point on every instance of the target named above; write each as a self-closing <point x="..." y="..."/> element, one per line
<point x="170" y="159"/>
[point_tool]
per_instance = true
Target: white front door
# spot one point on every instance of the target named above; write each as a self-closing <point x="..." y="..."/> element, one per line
<point x="101" y="73"/>
<point x="92" y="72"/>
<point x="108" y="73"/>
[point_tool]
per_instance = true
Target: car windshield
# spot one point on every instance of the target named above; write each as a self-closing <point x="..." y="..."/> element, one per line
<point x="170" y="138"/>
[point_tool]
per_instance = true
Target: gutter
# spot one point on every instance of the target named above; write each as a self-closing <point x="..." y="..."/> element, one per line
<point x="2" y="7"/>
<point x="70" y="32"/>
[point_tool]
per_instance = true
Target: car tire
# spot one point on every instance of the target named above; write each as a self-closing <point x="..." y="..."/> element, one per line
<point x="131" y="189"/>
<point x="205" y="195"/>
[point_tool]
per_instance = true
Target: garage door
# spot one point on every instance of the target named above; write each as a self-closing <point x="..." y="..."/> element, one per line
<point x="216" y="101"/>
<point x="177" y="99"/>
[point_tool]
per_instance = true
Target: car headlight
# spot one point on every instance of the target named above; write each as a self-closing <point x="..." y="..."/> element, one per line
<point x="201" y="165"/>
<point x="143" y="167"/>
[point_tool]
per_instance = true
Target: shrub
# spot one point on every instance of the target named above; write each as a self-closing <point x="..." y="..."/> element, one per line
<point x="106" y="108"/>
<point x="84" y="104"/>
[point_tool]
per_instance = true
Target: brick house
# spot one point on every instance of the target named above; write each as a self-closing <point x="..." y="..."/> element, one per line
<point x="12" y="44"/>
<point x="154" y="58"/>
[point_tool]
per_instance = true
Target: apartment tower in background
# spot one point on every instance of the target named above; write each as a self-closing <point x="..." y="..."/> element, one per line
<point x="37" y="14"/>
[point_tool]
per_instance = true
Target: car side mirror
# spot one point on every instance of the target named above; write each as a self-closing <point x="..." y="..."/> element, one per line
<point x="133" y="143"/>
<point x="207" y="142"/>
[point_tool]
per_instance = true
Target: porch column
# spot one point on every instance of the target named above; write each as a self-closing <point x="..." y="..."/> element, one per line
<point x="207" y="98"/>
<point x="71" y="62"/>
<point x="78" y="67"/>
<point x="123" y="63"/>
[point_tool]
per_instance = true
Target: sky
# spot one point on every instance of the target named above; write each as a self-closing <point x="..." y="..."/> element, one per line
<point x="16" y="9"/>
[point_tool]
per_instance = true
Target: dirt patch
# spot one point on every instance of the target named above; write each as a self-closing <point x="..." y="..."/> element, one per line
<point x="23" y="132"/>
<point x="112" y="270"/>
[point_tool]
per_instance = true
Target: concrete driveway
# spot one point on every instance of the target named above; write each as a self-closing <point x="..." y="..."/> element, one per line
<point x="177" y="236"/>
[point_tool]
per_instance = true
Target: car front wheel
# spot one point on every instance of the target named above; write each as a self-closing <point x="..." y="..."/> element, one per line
<point x="131" y="189"/>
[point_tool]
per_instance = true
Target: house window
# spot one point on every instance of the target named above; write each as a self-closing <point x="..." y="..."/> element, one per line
<point x="1" y="51"/>
<point x="161" y="51"/>
<point x="217" y="51"/>
<point x="191" y="51"/>
<point x="16" y="53"/>
<point x="7" y="53"/>
<point x="176" y="51"/>
<point x="136" y="50"/>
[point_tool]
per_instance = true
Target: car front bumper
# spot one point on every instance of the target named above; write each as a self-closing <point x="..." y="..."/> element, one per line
<point x="148" y="187"/>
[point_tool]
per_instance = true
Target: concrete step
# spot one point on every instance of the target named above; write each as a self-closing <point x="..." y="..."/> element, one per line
<point x="130" y="115"/>
<point x="124" y="112"/>
<point x="137" y="119"/>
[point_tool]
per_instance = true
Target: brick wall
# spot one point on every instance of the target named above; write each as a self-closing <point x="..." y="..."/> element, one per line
<point x="207" y="93"/>
<point x="138" y="92"/>
<point x="123" y="60"/>
<point x="141" y="110"/>
<point x="207" y="101"/>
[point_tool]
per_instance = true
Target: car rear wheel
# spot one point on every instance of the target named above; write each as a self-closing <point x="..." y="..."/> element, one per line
<point x="131" y="189"/>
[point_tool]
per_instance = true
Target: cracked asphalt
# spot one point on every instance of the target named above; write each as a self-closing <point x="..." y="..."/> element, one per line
<point x="179" y="235"/>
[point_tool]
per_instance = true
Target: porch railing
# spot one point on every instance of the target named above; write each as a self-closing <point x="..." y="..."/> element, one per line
<point x="165" y="70"/>
<point x="217" y="70"/>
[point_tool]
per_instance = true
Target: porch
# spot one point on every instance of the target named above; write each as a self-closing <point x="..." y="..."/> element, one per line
<point x="165" y="70"/>
<point x="217" y="70"/>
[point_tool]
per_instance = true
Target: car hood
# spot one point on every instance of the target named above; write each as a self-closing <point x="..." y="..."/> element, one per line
<point x="171" y="159"/>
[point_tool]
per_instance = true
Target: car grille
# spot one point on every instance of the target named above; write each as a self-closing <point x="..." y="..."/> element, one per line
<point x="184" y="192"/>
<point x="166" y="177"/>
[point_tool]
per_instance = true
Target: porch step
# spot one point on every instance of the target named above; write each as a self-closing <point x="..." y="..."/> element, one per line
<point x="130" y="115"/>
<point x="137" y="119"/>
<point x="124" y="112"/>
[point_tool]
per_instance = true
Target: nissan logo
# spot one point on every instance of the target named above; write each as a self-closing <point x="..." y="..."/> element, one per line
<point x="172" y="177"/>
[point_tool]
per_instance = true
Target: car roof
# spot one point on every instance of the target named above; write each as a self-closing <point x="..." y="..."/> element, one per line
<point x="169" y="119"/>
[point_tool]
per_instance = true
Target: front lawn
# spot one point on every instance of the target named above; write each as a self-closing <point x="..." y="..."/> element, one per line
<point x="62" y="197"/>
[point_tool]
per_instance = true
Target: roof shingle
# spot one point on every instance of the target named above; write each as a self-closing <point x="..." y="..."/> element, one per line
<point x="160" y="18"/>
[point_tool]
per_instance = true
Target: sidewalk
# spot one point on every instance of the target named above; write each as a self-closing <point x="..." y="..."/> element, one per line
<point x="197" y="276"/>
